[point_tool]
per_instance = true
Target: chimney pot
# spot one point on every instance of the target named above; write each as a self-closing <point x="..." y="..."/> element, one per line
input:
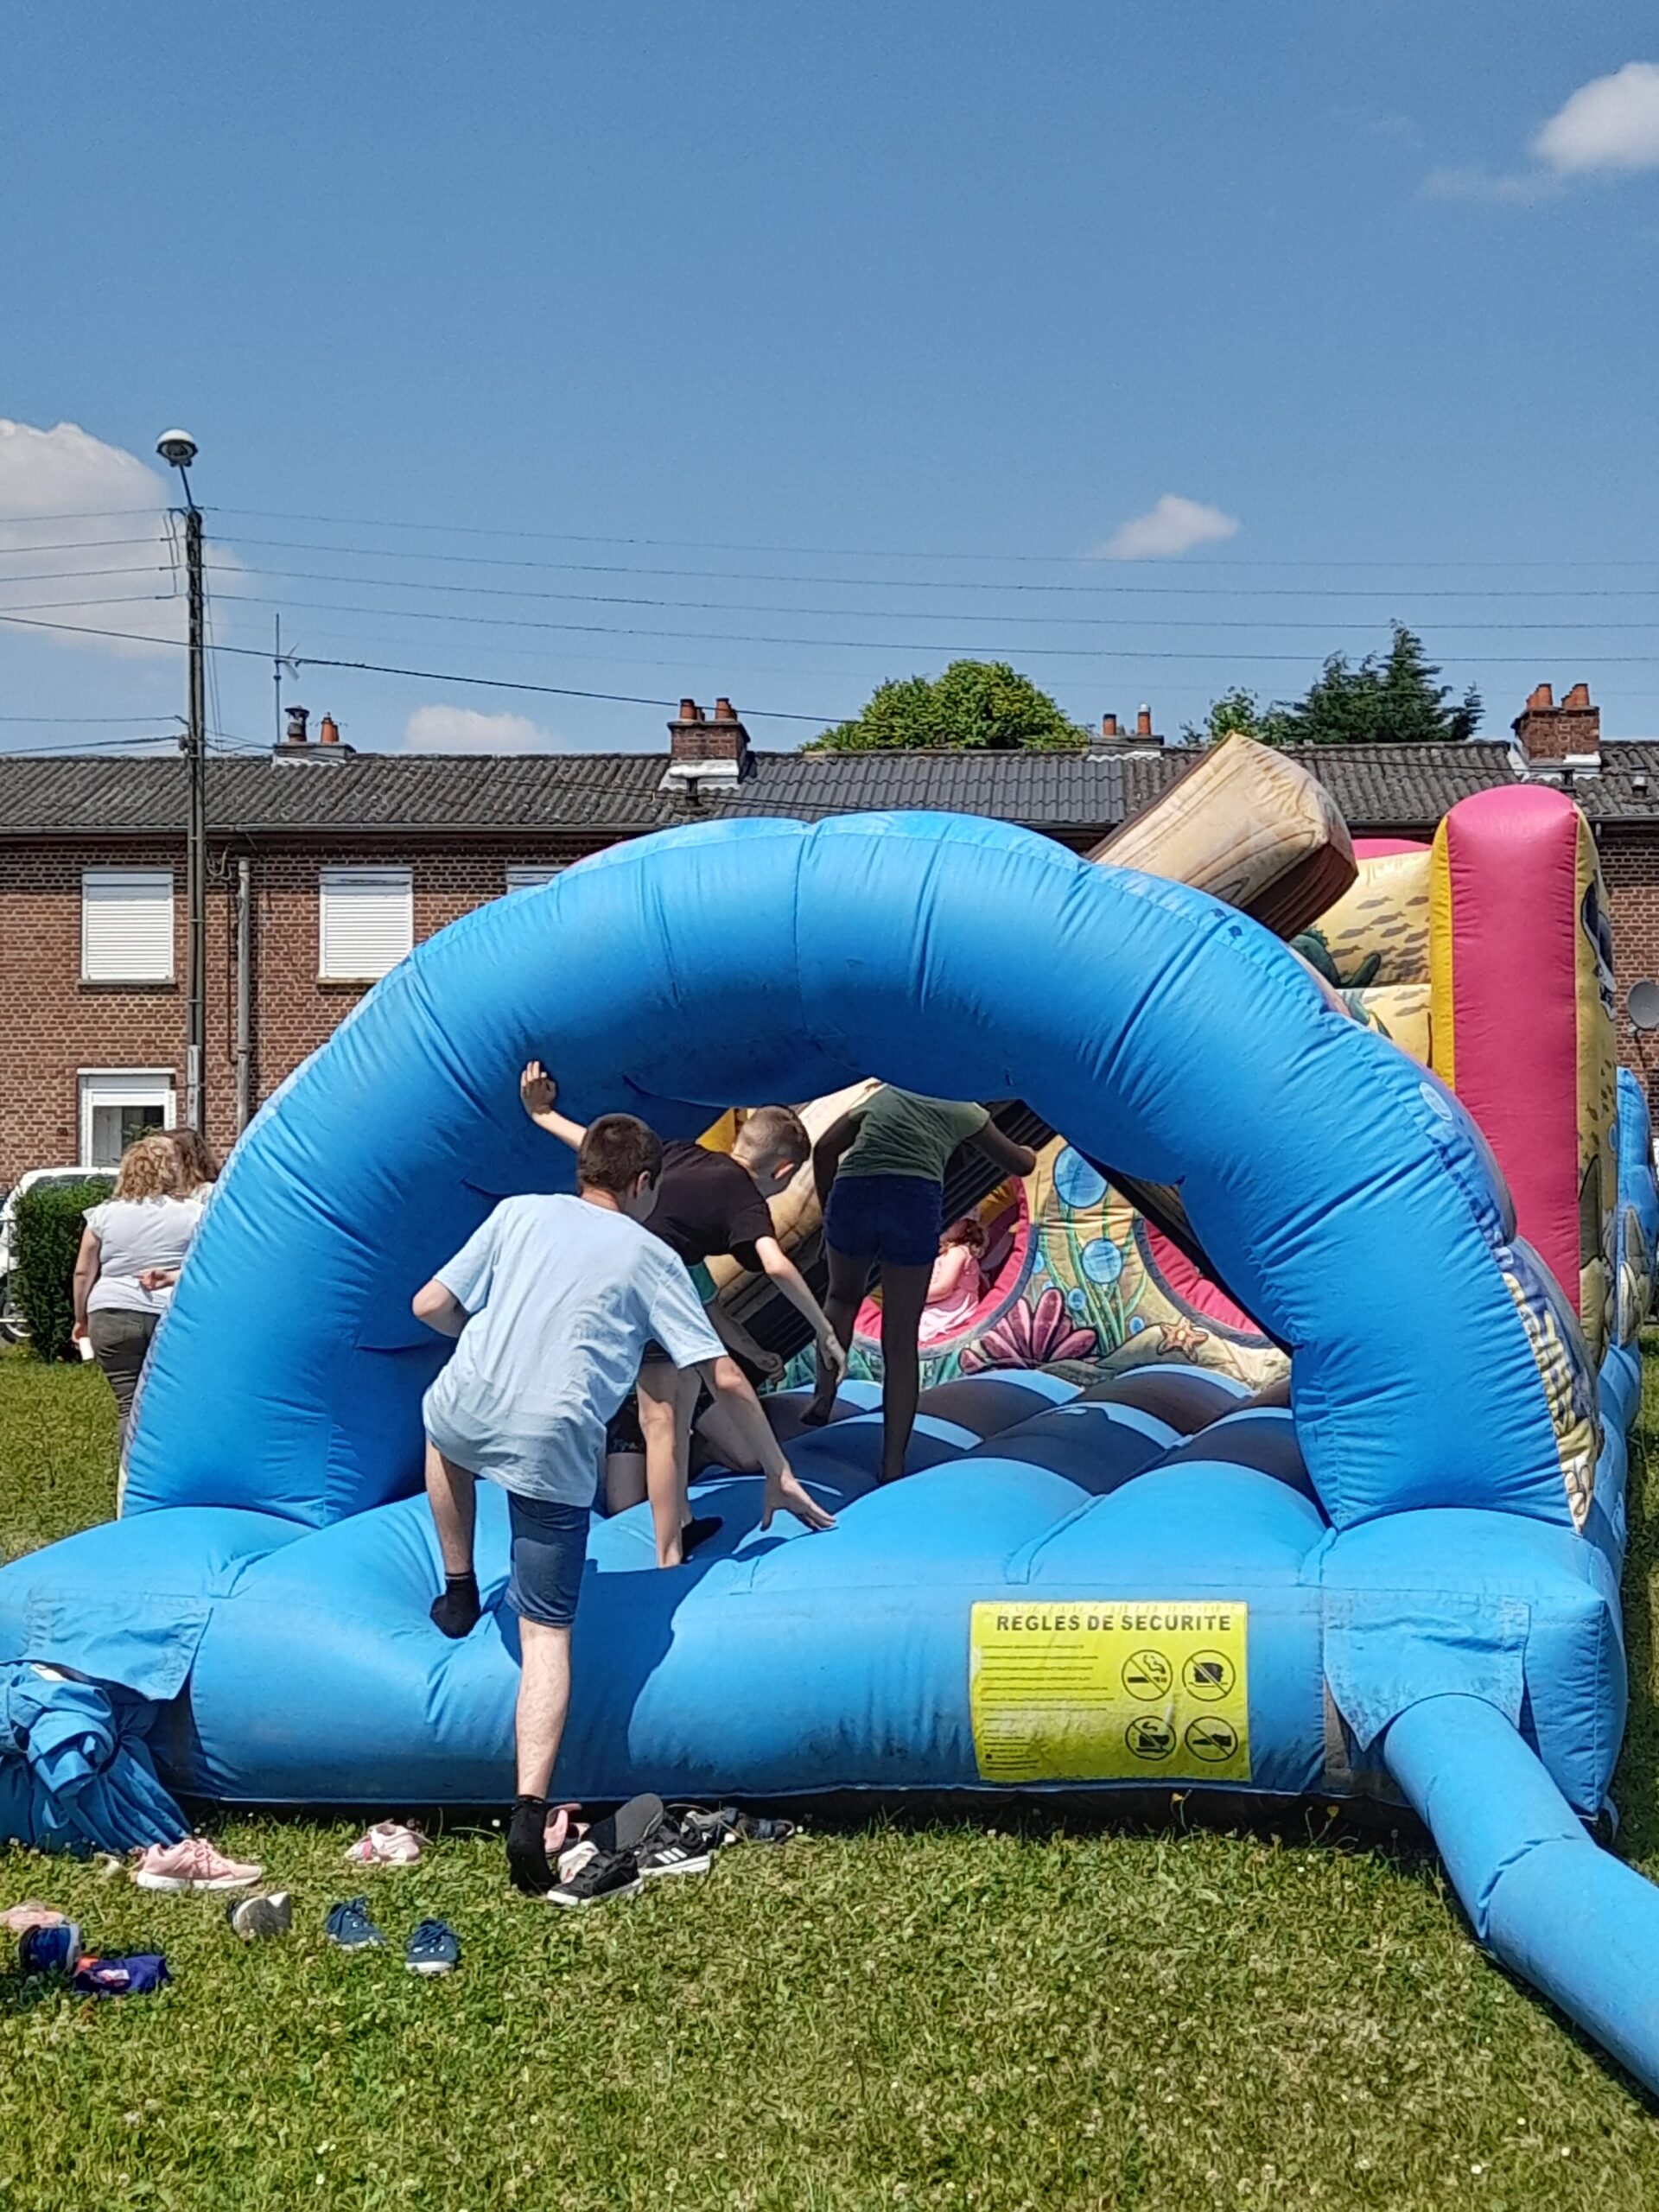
<point x="1571" y="731"/>
<point x="1109" y="725"/>
<point x="724" y="711"/>
<point x="1143" y="722"/>
<point x="328" y="731"/>
<point x="297" y="718"/>
<point x="690" y="711"/>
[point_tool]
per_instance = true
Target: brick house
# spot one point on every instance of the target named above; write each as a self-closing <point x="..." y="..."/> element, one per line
<point x="336" y="861"/>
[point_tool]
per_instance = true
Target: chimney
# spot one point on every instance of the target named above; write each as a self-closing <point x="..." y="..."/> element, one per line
<point x="712" y="750"/>
<point x="1143" y="722"/>
<point x="1108" y="728"/>
<point x="294" y="747"/>
<point x="1559" y="737"/>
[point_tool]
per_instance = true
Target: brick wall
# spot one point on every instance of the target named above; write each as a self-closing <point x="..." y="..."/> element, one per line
<point x="1629" y="867"/>
<point x="55" y="1027"/>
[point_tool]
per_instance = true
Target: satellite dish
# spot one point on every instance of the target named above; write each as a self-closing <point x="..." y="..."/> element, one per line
<point x="1643" y="1006"/>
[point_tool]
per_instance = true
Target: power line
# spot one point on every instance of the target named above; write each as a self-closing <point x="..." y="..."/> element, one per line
<point x="90" y="514"/>
<point x="76" y="576"/>
<point x="884" y="614"/>
<point x="929" y="647"/>
<point x="123" y="721"/>
<point x="79" y="545"/>
<point x="869" y="553"/>
<point x="758" y="713"/>
<point x="425" y="675"/>
<point x="1103" y="588"/>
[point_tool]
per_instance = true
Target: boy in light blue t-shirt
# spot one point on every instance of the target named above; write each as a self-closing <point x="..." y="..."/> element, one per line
<point x="552" y="1301"/>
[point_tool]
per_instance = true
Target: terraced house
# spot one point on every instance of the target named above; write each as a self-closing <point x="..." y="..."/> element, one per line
<point x="327" y="864"/>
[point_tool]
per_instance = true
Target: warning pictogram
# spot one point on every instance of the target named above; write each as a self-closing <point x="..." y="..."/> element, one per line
<point x="1150" y="1737"/>
<point x="1211" y="1740"/>
<point x="1147" y="1674"/>
<point x="1208" y="1675"/>
<point x="1110" y="1689"/>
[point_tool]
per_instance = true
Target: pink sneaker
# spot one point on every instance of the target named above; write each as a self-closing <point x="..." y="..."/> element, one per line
<point x="192" y="1865"/>
<point x="388" y="1843"/>
<point x="18" y="1919"/>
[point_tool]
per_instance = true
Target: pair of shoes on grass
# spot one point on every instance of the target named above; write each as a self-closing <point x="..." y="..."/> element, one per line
<point x="434" y="1947"/>
<point x="640" y="1842"/>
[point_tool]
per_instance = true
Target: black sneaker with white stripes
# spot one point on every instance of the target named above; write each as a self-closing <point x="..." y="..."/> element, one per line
<point x="607" y="1874"/>
<point x="675" y="1848"/>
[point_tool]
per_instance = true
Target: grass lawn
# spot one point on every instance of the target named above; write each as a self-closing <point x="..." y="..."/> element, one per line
<point x="873" y="2016"/>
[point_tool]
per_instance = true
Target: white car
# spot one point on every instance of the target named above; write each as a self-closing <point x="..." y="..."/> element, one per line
<point x="13" y="1328"/>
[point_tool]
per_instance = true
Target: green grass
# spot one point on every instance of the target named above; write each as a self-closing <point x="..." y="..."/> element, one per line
<point x="872" y="2017"/>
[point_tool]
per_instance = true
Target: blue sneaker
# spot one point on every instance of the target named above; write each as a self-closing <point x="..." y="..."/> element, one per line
<point x="53" y="1949"/>
<point x="434" y="1947"/>
<point x="349" y="1926"/>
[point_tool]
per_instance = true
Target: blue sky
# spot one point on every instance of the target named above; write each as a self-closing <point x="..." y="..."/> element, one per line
<point x="857" y="331"/>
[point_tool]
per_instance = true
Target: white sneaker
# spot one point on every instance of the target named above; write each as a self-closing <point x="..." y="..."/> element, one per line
<point x="388" y="1843"/>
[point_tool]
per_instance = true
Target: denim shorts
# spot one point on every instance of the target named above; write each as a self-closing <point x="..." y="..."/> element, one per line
<point x="899" y="1218"/>
<point x="550" y="1549"/>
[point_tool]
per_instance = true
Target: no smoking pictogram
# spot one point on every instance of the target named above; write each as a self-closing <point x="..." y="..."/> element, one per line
<point x="1147" y="1674"/>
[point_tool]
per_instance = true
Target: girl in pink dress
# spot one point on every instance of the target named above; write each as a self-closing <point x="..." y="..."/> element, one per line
<point x="955" y="1288"/>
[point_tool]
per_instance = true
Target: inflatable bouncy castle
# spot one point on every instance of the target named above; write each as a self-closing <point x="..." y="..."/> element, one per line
<point x="1400" y="1583"/>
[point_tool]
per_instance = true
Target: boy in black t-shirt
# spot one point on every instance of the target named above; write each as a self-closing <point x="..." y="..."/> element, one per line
<point x="710" y="1204"/>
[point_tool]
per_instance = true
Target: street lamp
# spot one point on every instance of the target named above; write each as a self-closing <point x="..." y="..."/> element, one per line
<point x="178" y="449"/>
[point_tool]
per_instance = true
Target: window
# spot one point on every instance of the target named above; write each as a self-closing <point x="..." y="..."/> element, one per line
<point x="368" y="921"/>
<point x="118" y="1106"/>
<point x="533" y="874"/>
<point x="126" y="926"/>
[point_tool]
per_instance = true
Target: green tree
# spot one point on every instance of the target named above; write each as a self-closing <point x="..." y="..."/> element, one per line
<point x="1392" y="698"/>
<point x="985" y="706"/>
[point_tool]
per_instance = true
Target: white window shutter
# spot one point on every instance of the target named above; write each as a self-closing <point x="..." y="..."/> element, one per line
<point x="368" y="921"/>
<point x="126" y="926"/>
<point x="533" y="874"/>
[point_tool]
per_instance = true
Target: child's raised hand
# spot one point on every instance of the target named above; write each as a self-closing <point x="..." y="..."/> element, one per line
<point x="536" y="1089"/>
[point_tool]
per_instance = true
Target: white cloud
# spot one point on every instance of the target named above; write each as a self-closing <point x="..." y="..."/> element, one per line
<point x="1608" y="125"/>
<point x="63" y="495"/>
<point x="1175" y="526"/>
<point x="464" y="729"/>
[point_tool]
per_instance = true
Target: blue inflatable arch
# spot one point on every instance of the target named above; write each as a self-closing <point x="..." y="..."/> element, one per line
<point x="1421" y="1601"/>
<point x="1343" y="1194"/>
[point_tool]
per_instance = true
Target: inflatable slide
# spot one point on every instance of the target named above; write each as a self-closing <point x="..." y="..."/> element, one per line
<point x="1404" y="1583"/>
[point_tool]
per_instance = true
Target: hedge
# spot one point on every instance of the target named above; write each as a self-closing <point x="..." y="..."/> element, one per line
<point x="46" y="1237"/>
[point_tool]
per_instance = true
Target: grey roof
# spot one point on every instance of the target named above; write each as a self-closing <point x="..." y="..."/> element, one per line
<point x="609" y="795"/>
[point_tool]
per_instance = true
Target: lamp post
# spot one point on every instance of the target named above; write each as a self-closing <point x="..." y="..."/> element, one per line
<point x="178" y="449"/>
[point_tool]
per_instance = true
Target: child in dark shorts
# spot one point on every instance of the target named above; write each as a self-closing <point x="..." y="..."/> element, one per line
<point x="880" y="1176"/>
<point x="710" y="1204"/>
<point x="552" y="1300"/>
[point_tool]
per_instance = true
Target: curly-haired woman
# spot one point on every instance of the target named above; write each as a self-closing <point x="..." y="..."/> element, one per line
<point x="131" y="1250"/>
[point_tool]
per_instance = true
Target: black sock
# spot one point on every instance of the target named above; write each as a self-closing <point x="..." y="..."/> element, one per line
<point x="457" y="1611"/>
<point x="527" y="1848"/>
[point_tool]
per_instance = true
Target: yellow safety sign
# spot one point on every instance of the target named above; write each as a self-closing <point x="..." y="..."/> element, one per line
<point x="1110" y="1689"/>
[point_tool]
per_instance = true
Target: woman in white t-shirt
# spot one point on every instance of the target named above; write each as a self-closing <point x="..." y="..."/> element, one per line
<point x="131" y="1251"/>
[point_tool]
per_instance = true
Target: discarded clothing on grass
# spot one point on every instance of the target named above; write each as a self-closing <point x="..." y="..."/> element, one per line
<point x="135" y="1975"/>
<point x="75" y="1772"/>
